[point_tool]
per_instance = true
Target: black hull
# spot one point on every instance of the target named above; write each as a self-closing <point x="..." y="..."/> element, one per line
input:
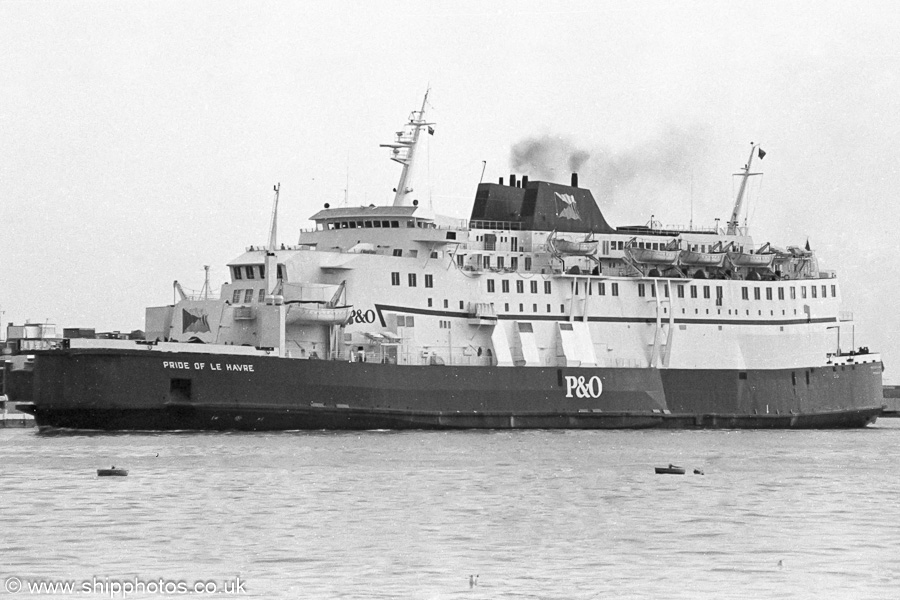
<point x="142" y="390"/>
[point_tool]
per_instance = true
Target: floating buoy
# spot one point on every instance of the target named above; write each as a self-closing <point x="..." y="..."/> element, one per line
<point x="670" y="470"/>
<point x="112" y="472"/>
<point x="698" y="472"/>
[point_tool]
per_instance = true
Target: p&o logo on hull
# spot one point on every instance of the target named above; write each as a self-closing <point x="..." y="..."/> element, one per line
<point x="582" y="387"/>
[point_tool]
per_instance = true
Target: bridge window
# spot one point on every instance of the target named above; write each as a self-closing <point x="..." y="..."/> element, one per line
<point x="279" y="271"/>
<point x="395" y="224"/>
<point x="398" y="252"/>
<point x="368" y="223"/>
<point x="236" y="272"/>
<point x="248" y="297"/>
<point x="248" y="271"/>
<point x="236" y="297"/>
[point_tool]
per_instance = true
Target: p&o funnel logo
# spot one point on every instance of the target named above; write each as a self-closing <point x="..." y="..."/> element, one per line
<point x="569" y="207"/>
<point x="194" y="321"/>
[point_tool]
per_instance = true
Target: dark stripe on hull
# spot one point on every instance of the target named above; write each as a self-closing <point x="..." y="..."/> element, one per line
<point x="112" y="389"/>
<point x="250" y="419"/>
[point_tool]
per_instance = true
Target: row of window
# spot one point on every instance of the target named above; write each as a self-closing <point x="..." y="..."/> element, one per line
<point x="500" y="263"/>
<point x="247" y="296"/>
<point x="249" y="272"/>
<point x="381" y="224"/>
<point x="813" y="290"/>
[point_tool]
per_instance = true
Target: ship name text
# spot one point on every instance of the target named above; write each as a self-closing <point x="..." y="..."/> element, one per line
<point x="204" y="366"/>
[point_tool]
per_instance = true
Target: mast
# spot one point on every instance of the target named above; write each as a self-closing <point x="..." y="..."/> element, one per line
<point x="271" y="278"/>
<point x="404" y="151"/>
<point x="745" y="175"/>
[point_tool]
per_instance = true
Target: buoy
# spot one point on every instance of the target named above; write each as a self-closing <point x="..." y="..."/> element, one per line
<point x="112" y="472"/>
<point x="698" y="472"/>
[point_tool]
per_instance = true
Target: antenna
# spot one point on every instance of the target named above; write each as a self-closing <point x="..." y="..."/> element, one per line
<point x="206" y="283"/>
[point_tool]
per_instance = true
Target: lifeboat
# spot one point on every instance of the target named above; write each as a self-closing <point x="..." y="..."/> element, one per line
<point x="753" y="261"/>
<point x="649" y="256"/>
<point x="588" y="247"/>
<point x="702" y="259"/>
<point x="317" y="312"/>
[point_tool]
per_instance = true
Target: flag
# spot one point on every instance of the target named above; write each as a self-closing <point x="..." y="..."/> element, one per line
<point x="808" y="249"/>
<point x="430" y="130"/>
<point x="762" y="154"/>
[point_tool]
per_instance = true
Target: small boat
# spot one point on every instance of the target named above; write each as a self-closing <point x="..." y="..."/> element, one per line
<point x="649" y="256"/>
<point x="112" y="472"/>
<point x="744" y="259"/>
<point x="670" y="470"/>
<point x="318" y="312"/>
<point x="702" y="259"/>
<point x="588" y="247"/>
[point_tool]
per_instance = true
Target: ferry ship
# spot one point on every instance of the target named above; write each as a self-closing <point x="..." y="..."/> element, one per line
<point x="533" y="313"/>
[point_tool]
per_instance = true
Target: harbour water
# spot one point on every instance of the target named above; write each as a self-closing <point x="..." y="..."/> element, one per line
<point x="541" y="514"/>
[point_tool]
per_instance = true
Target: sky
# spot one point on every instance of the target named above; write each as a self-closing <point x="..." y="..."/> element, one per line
<point x="139" y="141"/>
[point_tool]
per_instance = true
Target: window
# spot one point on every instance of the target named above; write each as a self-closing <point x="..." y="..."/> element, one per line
<point x="395" y="278"/>
<point x="680" y="290"/>
<point x="834" y="291"/>
<point x="412" y="279"/>
<point x="812" y="288"/>
<point x="395" y="223"/>
<point x="824" y="291"/>
<point x="514" y="244"/>
<point x="499" y="262"/>
<point x="486" y="261"/>
<point x="429" y="280"/>
<point x="527" y="263"/>
<point x="446" y="303"/>
<point x="546" y="287"/>
<point x="706" y="292"/>
<point x="768" y="293"/>
<point x="236" y="297"/>
<point x="504" y="285"/>
<point x="641" y="291"/>
<point x="615" y="289"/>
<point x="248" y="296"/>
<point x="490" y="284"/>
<point x="237" y="272"/>
<point x="279" y="271"/>
<point x="521" y="308"/>
<point x="756" y="293"/>
<point x="514" y="263"/>
<point x="429" y="303"/>
<point x="262" y="272"/>
<point x="248" y="270"/>
<point x="745" y="293"/>
<point x="461" y="305"/>
<point x="520" y="286"/>
<point x="534" y="287"/>
<point x="601" y="288"/>
<point x="793" y="293"/>
<point x="781" y="293"/>
<point x="803" y="291"/>
<point x="693" y="291"/>
<point x="398" y="252"/>
<point x="262" y="295"/>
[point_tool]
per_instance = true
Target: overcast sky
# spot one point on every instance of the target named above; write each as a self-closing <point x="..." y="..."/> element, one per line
<point x="140" y="141"/>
